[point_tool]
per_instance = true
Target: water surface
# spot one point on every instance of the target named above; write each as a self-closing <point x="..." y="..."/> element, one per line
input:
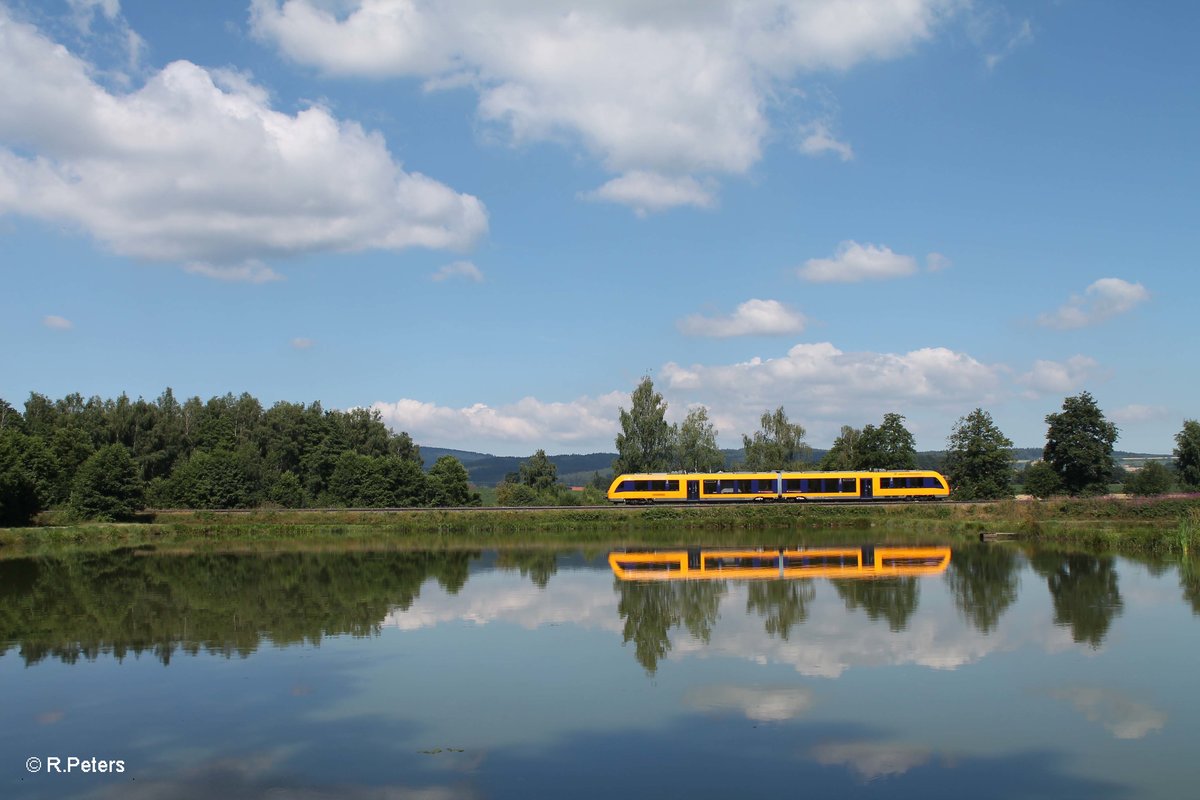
<point x="995" y="672"/>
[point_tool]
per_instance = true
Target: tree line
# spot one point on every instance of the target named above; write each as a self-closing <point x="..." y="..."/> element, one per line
<point x="107" y="459"/>
<point x="1077" y="458"/>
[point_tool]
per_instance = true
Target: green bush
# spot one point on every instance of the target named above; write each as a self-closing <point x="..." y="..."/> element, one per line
<point x="108" y="486"/>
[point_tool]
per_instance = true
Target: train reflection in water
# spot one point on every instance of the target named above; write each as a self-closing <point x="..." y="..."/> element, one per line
<point x="867" y="562"/>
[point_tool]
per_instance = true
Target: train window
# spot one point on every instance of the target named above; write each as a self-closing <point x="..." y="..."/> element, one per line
<point x="712" y="487"/>
<point x="849" y="485"/>
<point x="672" y="486"/>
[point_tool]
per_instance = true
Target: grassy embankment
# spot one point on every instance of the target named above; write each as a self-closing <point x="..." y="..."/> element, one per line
<point x="1162" y="526"/>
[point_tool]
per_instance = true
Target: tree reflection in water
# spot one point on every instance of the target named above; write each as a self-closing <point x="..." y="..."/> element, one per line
<point x="893" y="599"/>
<point x="984" y="581"/>
<point x="1189" y="579"/>
<point x="122" y="602"/>
<point x="537" y="565"/>
<point x="1084" y="590"/>
<point x="652" y="609"/>
<point x="782" y="604"/>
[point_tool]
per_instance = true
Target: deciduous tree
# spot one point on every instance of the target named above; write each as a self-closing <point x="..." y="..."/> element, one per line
<point x="890" y="446"/>
<point x="1079" y="445"/>
<point x="19" y="501"/>
<point x="450" y="484"/>
<point x="843" y="454"/>
<point x="1152" y="479"/>
<point x="1187" y="454"/>
<point x="1040" y="480"/>
<point x="646" y="442"/>
<point x="778" y="444"/>
<point x="979" y="458"/>
<point x="698" y="450"/>
<point x="538" y="472"/>
<point x="108" y="485"/>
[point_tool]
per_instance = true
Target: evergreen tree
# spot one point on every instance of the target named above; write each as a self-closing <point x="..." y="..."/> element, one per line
<point x="646" y="442"/>
<point x="1079" y="446"/>
<point x="979" y="458"/>
<point x="1187" y="454"/>
<point x="778" y="444"/>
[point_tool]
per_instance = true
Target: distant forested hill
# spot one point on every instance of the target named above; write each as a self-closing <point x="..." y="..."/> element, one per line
<point x="486" y="469"/>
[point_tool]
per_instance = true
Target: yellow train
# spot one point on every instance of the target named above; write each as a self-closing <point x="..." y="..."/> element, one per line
<point x="725" y="487"/>
<point x="785" y="563"/>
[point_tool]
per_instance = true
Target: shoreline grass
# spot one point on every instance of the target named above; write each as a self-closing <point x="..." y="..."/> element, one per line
<point x="1163" y="526"/>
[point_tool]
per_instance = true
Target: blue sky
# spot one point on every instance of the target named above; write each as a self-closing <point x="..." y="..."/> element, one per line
<point x="490" y="220"/>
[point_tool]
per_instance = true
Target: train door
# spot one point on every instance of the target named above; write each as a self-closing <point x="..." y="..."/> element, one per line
<point x="866" y="488"/>
<point x="693" y="490"/>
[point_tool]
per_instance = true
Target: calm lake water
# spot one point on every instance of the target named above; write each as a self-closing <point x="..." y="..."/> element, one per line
<point x="984" y="672"/>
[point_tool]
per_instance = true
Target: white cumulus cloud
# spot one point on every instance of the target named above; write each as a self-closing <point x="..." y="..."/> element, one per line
<point x="645" y="192"/>
<point x="762" y="704"/>
<point x="1139" y="412"/>
<point x="459" y="269"/>
<point x="1104" y="299"/>
<point x="823" y="387"/>
<point x="854" y="262"/>
<point x="1059" y="377"/>
<point x="816" y="138"/>
<point x="670" y="89"/>
<point x="249" y="271"/>
<point x="936" y="262"/>
<point x="195" y="167"/>
<point x="1018" y="39"/>
<point x="751" y="318"/>
<point x="57" y="323"/>
<point x="872" y="760"/>
<point x="1121" y="715"/>
<point x="826" y="380"/>
<point x="529" y="423"/>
